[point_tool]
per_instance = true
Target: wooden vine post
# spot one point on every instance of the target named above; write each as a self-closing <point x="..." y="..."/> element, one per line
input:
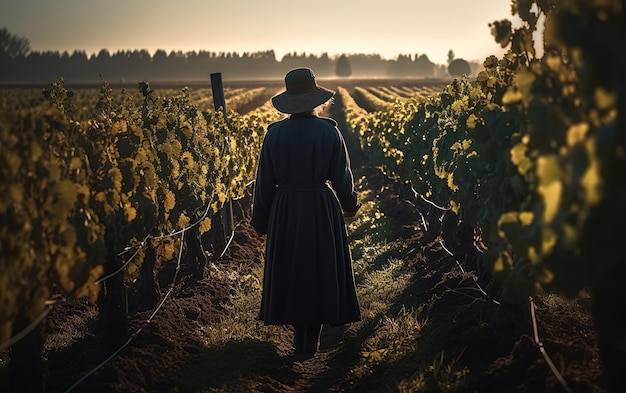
<point x="219" y="102"/>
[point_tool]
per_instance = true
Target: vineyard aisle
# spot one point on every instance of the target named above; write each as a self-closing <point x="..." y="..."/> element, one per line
<point x="429" y="322"/>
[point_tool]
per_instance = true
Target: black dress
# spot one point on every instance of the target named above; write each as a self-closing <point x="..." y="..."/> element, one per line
<point x="303" y="182"/>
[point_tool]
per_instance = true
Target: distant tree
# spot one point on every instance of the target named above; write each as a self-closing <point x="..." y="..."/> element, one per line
<point x="424" y="66"/>
<point x="13" y="46"/>
<point x="159" y="55"/>
<point x="343" y="68"/>
<point x="104" y="55"/>
<point x="402" y="66"/>
<point x="78" y="65"/>
<point x="459" y="67"/>
<point x="450" y="56"/>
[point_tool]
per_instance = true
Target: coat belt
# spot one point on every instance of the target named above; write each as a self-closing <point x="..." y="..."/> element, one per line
<point x="301" y="187"/>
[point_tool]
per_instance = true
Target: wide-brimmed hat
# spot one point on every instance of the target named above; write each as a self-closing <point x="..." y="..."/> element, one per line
<point x="302" y="92"/>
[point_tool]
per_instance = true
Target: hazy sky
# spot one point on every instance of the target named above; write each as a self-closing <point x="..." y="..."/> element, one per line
<point x="388" y="27"/>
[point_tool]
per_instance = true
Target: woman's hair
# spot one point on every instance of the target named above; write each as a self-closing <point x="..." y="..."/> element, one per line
<point x="320" y="108"/>
<point x="315" y="111"/>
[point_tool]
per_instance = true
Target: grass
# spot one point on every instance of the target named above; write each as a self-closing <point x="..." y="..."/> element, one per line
<point x="239" y="320"/>
<point x="392" y="348"/>
<point x="418" y="333"/>
<point x="398" y="350"/>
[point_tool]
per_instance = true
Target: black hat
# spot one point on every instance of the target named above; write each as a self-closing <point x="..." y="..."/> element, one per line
<point x="302" y="92"/>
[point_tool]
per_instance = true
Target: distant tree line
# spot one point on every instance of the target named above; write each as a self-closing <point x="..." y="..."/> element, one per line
<point x="18" y="64"/>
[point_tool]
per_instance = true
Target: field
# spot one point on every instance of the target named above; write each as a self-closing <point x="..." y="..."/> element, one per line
<point x="488" y="254"/>
<point x="434" y="317"/>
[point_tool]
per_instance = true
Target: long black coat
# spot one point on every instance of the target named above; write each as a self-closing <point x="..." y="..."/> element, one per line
<point x="308" y="277"/>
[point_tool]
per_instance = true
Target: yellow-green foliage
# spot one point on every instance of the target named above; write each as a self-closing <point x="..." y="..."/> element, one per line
<point x="530" y="153"/>
<point x="134" y="165"/>
<point x="50" y="235"/>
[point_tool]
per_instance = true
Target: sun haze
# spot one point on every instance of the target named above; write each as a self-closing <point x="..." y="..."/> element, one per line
<point x="386" y="28"/>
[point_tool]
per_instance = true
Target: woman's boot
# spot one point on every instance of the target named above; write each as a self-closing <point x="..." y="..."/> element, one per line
<point x="298" y="337"/>
<point x="311" y="338"/>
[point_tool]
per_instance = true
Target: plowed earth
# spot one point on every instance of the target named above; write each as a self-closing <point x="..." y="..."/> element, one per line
<point x="494" y="342"/>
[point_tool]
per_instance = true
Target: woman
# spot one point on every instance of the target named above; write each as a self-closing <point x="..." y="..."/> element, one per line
<point x="304" y="188"/>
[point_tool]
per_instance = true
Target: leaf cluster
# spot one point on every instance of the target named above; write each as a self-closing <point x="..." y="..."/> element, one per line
<point x="138" y="166"/>
<point x="530" y="153"/>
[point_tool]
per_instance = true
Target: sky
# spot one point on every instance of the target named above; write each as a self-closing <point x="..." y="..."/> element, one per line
<point x="387" y="28"/>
